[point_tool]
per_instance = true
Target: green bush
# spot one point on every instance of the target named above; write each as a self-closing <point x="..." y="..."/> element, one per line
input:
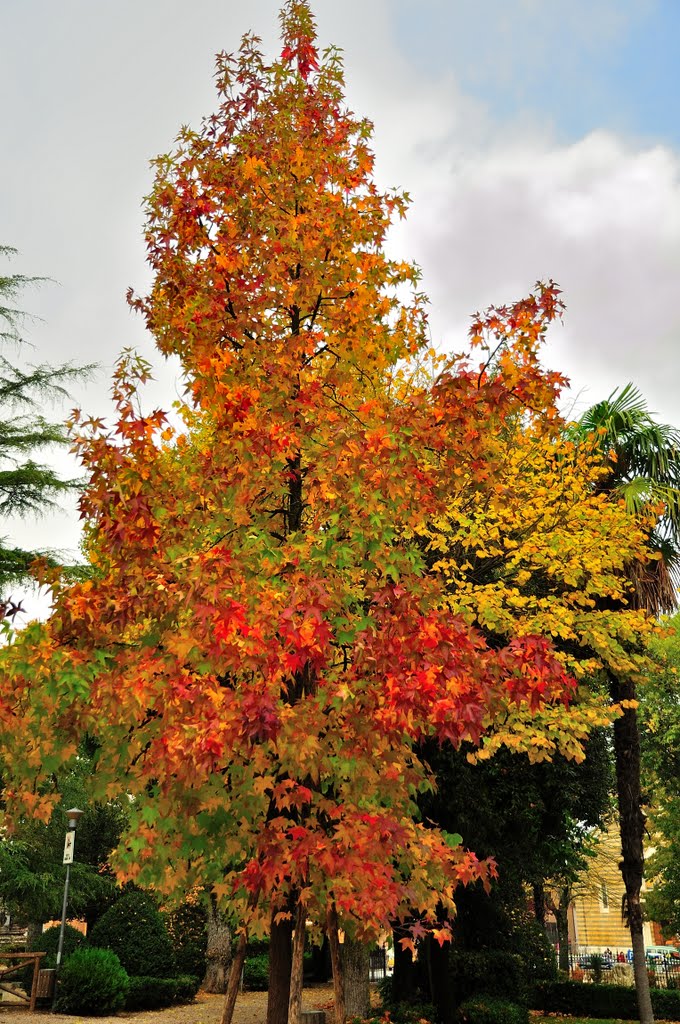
<point x="156" y="993"/>
<point x="489" y="972"/>
<point x="48" y="943"/>
<point x="256" y="973"/>
<point x="529" y="941"/>
<point x="576" y="999"/>
<point x="134" y="929"/>
<point x="483" y="1009"/>
<point x="187" y="927"/>
<point x="596" y="964"/>
<point x="92" y="981"/>
<point x="186" y="987"/>
<point x="411" y="1013"/>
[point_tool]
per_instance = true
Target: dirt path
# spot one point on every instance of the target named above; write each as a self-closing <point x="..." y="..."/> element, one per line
<point x="250" y="1009"/>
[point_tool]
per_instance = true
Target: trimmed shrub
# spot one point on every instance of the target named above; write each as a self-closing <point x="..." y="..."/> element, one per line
<point x="483" y="1009"/>
<point x="576" y="999"/>
<point x="48" y="943"/>
<point x="487" y="972"/>
<point x="186" y="987"/>
<point x="157" y="993"/>
<point x="134" y="929"/>
<point x="256" y="973"/>
<point x="92" y="981"/>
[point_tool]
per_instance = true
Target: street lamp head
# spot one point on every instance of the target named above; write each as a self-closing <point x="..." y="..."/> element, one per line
<point x="74" y="816"/>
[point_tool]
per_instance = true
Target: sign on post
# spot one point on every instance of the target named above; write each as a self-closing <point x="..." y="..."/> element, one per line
<point x="68" y="848"/>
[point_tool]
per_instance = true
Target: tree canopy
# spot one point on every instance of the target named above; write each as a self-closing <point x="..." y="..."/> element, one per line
<point x="282" y="602"/>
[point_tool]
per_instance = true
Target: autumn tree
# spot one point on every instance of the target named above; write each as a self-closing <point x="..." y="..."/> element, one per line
<point x="265" y="639"/>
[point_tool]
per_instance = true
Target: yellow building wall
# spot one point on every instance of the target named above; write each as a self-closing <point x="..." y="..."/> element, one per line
<point x="595" y="918"/>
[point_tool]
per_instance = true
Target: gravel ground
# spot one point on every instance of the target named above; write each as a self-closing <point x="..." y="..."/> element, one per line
<point x="251" y="1008"/>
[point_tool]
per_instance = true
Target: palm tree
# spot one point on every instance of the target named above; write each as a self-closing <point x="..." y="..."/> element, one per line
<point x="643" y="462"/>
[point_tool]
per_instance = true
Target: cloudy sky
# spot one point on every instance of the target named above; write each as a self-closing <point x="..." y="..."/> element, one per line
<point x="537" y="138"/>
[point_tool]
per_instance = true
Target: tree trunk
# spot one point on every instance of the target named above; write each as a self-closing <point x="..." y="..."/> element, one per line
<point x="355" y="967"/>
<point x="33" y="933"/>
<point x="234" y="980"/>
<point x="336" y="963"/>
<point x="403" y="985"/>
<point x="632" y="825"/>
<point x="280" y="964"/>
<point x="561" y="912"/>
<point x="441" y="990"/>
<point x="538" y="889"/>
<point x="218" y="953"/>
<point x="295" y="999"/>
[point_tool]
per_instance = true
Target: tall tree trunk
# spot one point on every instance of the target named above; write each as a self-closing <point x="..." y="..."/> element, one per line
<point x="538" y="889"/>
<point x="336" y="963"/>
<point x="560" y="909"/>
<point x="218" y="953"/>
<point x="632" y="825"/>
<point x="355" y="967"/>
<point x="403" y="983"/>
<point x="441" y="990"/>
<point x="234" y="980"/>
<point x="297" y="967"/>
<point x="280" y="964"/>
<point x="561" y="913"/>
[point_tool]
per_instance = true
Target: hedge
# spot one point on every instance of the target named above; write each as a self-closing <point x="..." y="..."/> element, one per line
<point x="155" y="993"/>
<point x="574" y="998"/>
<point x="256" y="973"/>
<point x="488" y="972"/>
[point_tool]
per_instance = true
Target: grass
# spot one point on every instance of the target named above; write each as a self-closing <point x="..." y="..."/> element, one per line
<point x="556" y="1018"/>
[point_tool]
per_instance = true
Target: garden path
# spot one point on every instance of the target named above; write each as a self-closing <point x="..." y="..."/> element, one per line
<point x="251" y="1008"/>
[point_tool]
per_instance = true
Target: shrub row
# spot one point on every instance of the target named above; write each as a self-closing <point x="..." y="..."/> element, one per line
<point x="156" y="993"/>
<point x="483" y="1009"/>
<point x="576" y="999"/>
<point x="92" y="981"/>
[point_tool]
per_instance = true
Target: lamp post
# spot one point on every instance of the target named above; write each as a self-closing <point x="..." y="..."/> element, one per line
<point x="73" y="817"/>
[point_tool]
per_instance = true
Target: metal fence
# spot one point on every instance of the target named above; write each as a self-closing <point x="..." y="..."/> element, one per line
<point x="663" y="969"/>
<point x="377" y="964"/>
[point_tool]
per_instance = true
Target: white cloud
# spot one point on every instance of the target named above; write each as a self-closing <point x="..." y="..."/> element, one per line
<point x="497" y="204"/>
<point x="600" y="218"/>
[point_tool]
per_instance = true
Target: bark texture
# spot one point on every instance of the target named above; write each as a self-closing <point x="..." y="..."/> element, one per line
<point x="336" y="963"/>
<point x="234" y="980"/>
<point x="355" y="967"/>
<point x="218" y="953"/>
<point x="295" y="998"/>
<point x="280" y="964"/>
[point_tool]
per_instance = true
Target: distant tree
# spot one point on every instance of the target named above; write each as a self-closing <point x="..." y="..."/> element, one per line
<point x="28" y="487"/>
<point x="31" y="869"/>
